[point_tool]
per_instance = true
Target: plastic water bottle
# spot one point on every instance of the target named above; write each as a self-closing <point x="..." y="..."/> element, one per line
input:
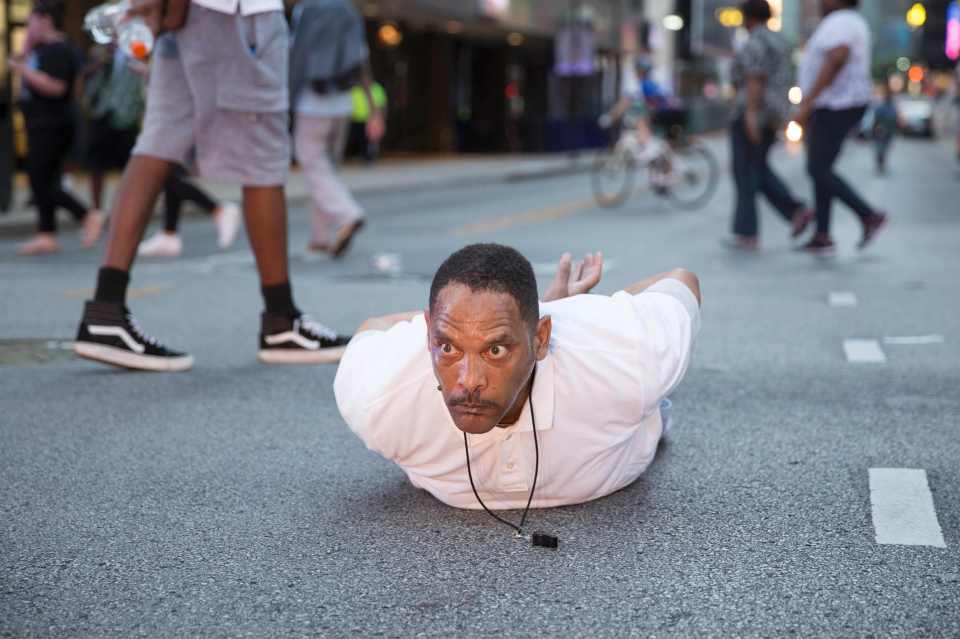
<point x="108" y="23"/>
<point x="135" y="38"/>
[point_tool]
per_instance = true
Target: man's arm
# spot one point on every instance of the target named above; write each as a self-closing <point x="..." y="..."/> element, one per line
<point x="833" y="63"/>
<point x="376" y="125"/>
<point x="38" y="81"/>
<point x="689" y="279"/>
<point x="751" y="117"/>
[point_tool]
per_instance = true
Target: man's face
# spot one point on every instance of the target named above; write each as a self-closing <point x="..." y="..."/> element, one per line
<point x="483" y="354"/>
<point x="38" y="25"/>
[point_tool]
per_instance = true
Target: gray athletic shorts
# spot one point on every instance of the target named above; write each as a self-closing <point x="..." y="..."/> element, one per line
<point x="219" y="86"/>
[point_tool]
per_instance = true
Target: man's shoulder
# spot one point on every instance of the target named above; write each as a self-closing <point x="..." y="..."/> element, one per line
<point x="844" y="22"/>
<point x="377" y="364"/>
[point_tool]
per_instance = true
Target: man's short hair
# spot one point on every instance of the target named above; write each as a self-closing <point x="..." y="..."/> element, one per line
<point x="756" y="10"/>
<point x="53" y="9"/>
<point x="491" y="267"/>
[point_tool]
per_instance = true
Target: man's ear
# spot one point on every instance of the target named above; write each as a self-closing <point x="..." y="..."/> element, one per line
<point x="426" y="318"/>
<point x="544" y="329"/>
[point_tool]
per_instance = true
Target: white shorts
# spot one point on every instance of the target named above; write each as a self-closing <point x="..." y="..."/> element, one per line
<point x="219" y="86"/>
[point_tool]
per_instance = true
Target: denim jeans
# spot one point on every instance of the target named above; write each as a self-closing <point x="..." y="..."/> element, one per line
<point x="752" y="174"/>
<point x="826" y="133"/>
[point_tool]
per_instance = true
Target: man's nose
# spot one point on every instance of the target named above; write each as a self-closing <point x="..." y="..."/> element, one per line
<point x="472" y="375"/>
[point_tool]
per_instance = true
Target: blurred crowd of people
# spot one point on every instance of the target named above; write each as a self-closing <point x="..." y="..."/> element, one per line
<point x="85" y="108"/>
<point x="836" y="83"/>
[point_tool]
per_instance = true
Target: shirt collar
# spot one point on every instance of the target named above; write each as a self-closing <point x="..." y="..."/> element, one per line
<point x="543" y="399"/>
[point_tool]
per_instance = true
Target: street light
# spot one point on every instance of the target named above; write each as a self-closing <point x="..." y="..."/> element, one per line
<point x="917" y="15"/>
<point x="729" y="17"/>
<point x="673" y="22"/>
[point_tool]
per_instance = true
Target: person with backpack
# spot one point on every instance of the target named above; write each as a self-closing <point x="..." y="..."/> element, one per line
<point x="114" y="103"/>
<point x="328" y="56"/>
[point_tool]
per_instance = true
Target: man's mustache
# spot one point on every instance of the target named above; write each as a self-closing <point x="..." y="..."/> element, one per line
<point x="470" y="399"/>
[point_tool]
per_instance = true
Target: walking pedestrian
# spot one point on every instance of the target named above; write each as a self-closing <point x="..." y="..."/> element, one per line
<point x="329" y="55"/>
<point x="886" y="121"/>
<point x="114" y="104"/>
<point x="762" y="76"/>
<point x="359" y="143"/>
<point x="48" y="66"/>
<point x="178" y="190"/>
<point x="218" y="85"/>
<point x="836" y="84"/>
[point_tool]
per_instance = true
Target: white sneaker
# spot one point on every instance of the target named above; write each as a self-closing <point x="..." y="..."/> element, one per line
<point x="227" y="219"/>
<point x="161" y="245"/>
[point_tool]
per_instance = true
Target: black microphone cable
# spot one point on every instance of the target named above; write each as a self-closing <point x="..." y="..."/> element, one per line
<point x="538" y="539"/>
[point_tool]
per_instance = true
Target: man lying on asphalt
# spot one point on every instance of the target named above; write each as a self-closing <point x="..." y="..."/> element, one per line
<point x="589" y="374"/>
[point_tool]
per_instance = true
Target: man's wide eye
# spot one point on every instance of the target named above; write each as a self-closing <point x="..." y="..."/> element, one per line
<point x="446" y="349"/>
<point x="497" y="351"/>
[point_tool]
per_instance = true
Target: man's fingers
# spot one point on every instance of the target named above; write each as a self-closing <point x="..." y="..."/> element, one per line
<point x="563" y="269"/>
<point x="577" y="272"/>
<point x="598" y="264"/>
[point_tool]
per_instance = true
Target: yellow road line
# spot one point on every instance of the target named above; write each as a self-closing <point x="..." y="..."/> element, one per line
<point x="535" y="216"/>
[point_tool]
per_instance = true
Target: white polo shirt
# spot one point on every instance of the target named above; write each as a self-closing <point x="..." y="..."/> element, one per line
<point x="853" y="86"/>
<point x="246" y="7"/>
<point x="596" y="397"/>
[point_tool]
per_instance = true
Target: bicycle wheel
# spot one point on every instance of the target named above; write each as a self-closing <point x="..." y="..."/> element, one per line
<point x="614" y="173"/>
<point x="688" y="175"/>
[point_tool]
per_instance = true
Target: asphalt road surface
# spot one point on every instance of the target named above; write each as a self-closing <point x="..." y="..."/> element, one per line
<point x="232" y="501"/>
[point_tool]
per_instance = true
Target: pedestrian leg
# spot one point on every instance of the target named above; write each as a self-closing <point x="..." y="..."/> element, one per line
<point x="746" y="179"/>
<point x="130" y="211"/>
<point x="772" y="187"/>
<point x="332" y="202"/>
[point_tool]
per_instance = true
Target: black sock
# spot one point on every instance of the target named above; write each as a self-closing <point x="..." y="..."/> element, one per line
<point x="112" y="285"/>
<point x="279" y="300"/>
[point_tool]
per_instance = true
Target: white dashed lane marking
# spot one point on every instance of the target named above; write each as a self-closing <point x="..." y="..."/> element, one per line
<point x="913" y="340"/>
<point x="903" y="510"/>
<point x="864" y="351"/>
<point x="842" y="299"/>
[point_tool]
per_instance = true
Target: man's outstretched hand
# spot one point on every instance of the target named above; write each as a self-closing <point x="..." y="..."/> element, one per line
<point x="575" y="279"/>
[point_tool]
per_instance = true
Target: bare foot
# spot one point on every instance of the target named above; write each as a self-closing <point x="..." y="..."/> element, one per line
<point x="92" y="227"/>
<point x="42" y="244"/>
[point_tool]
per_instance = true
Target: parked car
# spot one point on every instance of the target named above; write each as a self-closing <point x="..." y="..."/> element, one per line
<point x="916" y="115"/>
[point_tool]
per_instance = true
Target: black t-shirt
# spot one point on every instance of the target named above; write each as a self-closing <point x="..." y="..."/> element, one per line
<point x="61" y="61"/>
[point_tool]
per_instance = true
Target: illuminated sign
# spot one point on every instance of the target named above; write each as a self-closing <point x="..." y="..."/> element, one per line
<point x="953" y="31"/>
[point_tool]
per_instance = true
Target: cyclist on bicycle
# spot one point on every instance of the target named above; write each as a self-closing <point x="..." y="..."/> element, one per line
<point x="639" y="93"/>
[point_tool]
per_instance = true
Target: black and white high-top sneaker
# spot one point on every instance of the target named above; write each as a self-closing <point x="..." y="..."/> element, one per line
<point x="298" y="340"/>
<point x="109" y="334"/>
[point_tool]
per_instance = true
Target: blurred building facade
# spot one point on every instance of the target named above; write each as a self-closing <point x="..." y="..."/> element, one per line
<point x="496" y="75"/>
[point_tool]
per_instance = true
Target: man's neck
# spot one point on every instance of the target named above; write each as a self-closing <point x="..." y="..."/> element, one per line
<point x="517" y="409"/>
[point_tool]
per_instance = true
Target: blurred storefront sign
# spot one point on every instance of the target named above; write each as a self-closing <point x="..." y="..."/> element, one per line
<point x="952" y="46"/>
